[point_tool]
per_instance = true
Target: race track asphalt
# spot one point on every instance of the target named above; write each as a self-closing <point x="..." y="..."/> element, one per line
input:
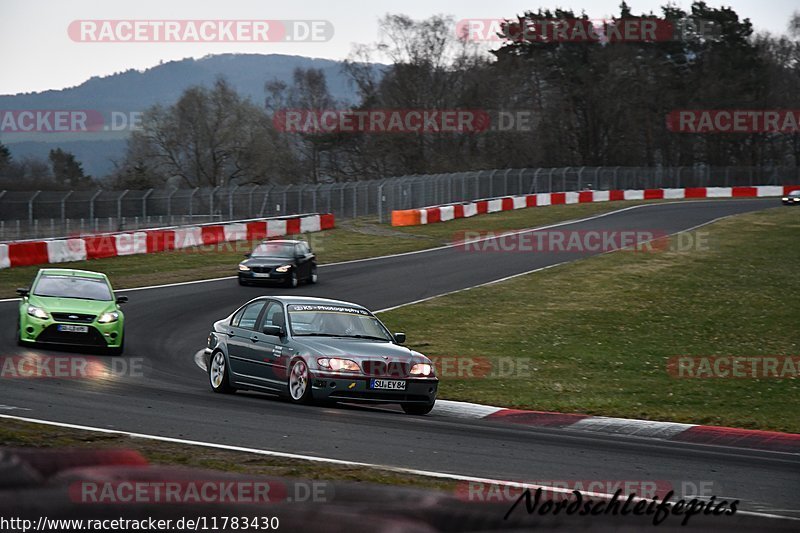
<point x="166" y="327"/>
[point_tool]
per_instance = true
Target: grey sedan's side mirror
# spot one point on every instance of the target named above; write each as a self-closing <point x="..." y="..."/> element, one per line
<point x="400" y="338"/>
<point x="23" y="292"/>
<point x="273" y="330"/>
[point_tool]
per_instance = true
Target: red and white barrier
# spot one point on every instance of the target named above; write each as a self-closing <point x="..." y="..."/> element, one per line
<point x="26" y="253"/>
<point x="443" y="213"/>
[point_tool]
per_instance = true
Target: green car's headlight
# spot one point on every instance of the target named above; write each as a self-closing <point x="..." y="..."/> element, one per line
<point x="106" y="318"/>
<point x="243" y="268"/>
<point x="284" y="268"/>
<point x="38" y="312"/>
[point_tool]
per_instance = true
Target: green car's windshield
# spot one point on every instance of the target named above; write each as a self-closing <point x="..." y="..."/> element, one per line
<point x="270" y="249"/>
<point x="73" y="287"/>
<point x="335" y="321"/>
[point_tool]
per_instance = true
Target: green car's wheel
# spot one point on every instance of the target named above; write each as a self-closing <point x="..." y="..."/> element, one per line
<point x="417" y="408"/>
<point x="299" y="383"/>
<point x="119" y="350"/>
<point x="218" y="374"/>
<point x="19" y="334"/>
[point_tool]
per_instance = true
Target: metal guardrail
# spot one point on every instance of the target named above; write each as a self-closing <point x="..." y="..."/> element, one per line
<point x="42" y="214"/>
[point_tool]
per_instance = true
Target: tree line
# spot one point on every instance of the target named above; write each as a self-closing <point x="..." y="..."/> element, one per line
<point x="589" y="103"/>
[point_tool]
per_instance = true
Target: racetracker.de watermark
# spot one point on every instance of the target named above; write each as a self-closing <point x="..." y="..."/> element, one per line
<point x="211" y="491"/>
<point x="35" y="366"/>
<point x="734" y="121"/>
<point x="734" y="367"/>
<point x="374" y="121"/>
<point x="579" y="30"/>
<point x="67" y="120"/>
<point x="579" y="241"/>
<point x="200" y="31"/>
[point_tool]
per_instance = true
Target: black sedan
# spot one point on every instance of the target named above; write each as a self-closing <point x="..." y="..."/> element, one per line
<point x="309" y="349"/>
<point x="793" y="198"/>
<point x="285" y="261"/>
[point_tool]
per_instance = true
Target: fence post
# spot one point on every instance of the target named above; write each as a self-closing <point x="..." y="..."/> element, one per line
<point x="169" y="202"/>
<point x="144" y="203"/>
<point x="380" y="203"/>
<point x="580" y="178"/>
<point x="91" y="205"/>
<point x="231" y="192"/>
<point x="191" y="202"/>
<point x="211" y="204"/>
<point x="505" y="182"/>
<point x="30" y="206"/>
<point x="119" y="205"/>
<point x="63" y="206"/>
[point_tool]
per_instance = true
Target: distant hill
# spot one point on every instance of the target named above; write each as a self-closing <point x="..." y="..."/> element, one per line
<point x="135" y="90"/>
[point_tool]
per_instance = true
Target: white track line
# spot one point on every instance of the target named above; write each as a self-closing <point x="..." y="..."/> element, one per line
<point x="327" y="460"/>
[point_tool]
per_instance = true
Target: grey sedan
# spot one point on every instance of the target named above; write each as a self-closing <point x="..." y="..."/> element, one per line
<point x="315" y="349"/>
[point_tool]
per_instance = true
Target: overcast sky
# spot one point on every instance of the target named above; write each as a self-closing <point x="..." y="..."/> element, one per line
<point x="38" y="54"/>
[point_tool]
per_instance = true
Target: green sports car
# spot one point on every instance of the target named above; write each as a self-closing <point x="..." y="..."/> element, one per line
<point x="71" y="307"/>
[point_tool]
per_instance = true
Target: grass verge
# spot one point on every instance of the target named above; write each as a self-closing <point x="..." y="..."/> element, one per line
<point x="598" y="333"/>
<point x="14" y="433"/>
<point x="357" y="239"/>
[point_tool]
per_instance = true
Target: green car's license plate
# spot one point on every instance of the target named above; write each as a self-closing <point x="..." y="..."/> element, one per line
<point x="73" y="329"/>
<point x="387" y="384"/>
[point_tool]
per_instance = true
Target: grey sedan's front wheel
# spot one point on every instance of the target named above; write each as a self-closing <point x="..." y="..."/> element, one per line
<point x="218" y="374"/>
<point x="299" y="382"/>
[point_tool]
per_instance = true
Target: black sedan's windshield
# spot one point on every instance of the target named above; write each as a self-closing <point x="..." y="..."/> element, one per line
<point x="73" y="287"/>
<point x="335" y="321"/>
<point x="794" y="194"/>
<point x="273" y="249"/>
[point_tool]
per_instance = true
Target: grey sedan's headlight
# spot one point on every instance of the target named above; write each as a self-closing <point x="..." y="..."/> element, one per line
<point x="338" y="365"/>
<point x="38" y="312"/>
<point x="421" y="369"/>
<point x="107" y="318"/>
<point x="284" y="268"/>
<point x="244" y="268"/>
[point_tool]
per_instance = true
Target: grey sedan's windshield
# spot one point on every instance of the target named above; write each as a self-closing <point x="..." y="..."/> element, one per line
<point x="73" y="287"/>
<point x="273" y="250"/>
<point x="335" y="321"/>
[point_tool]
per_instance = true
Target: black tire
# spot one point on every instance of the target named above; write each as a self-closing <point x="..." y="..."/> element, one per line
<point x="305" y="397"/>
<point x="417" y="408"/>
<point x="313" y="278"/>
<point x="292" y="281"/>
<point x="19" y="334"/>
<point x="224" y="385"/>
<point x="120" y="350"/>
<point x="243" y="283"/>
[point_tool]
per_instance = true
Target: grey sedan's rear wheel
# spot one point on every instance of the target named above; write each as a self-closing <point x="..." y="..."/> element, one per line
<point x="218" y="374"/>
<point x="299" y="383"/>
<point x="417" y="408"/>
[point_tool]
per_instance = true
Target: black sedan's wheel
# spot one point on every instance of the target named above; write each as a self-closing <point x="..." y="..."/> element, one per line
<point x="218" y="374"/>
<point x="292" y="281"/>
<point x="417" y="408"/>
<point x="242" y="282"/>
<point x="313" y="277"/>
<point x="299" y="383"/>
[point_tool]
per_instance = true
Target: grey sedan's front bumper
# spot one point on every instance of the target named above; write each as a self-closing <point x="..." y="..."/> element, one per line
<point x="357" y="388"/>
